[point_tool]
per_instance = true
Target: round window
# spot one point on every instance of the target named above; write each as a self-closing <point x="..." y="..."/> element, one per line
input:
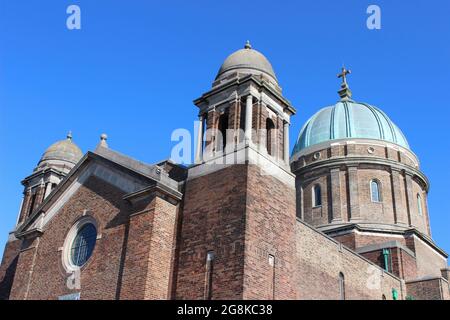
<point x="83" y="245"/>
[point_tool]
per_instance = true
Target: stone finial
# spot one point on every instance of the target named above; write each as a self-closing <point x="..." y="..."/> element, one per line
<point x="69" y="136"/>
<point x="247" y="45"/>
<point x="103" y="138"/>
<point x="345" y="93"/>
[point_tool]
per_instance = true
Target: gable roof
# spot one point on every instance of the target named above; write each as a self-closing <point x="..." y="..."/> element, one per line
<point x="141" y="176"/>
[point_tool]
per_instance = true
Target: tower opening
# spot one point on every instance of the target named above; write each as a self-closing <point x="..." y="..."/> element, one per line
<point x="270" y="140"/>
<point x="223" y="126"/>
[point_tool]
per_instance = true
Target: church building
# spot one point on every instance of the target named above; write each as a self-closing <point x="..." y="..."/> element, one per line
<point x="342" y="216"/>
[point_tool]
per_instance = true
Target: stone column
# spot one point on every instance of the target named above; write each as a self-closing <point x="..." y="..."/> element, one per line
<point x="248" y="118"/>
<point x="425" y="212"/>
<point x="353" y="193"/>
<point x="399" y="209"/>
<point x="20" y="210"/>
<point x="286" y="142"/>
<point x="336" y="195"/>
<point x="409" y="197"/>
<point x="299" y="199"/>
<point x="26" y="205"/>
<point x="199" y="150"/>
<point x="48" y="189"/>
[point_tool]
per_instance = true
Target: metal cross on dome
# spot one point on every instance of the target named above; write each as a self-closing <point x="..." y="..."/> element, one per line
<point x="344" y="74"/>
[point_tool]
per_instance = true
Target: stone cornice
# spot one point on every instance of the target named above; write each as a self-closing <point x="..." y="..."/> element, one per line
<point x="40" y="172"/>
<point x="240" y="81"/>
<point x="405" y="232"/>
<point x="156" y="188"/>
<point x="30" y="233"/>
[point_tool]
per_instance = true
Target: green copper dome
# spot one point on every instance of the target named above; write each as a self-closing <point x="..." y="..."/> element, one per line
<point x="349" y="119"/>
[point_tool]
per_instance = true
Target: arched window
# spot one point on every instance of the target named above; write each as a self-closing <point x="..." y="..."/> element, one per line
<point x="223" y="126"/>
<point x="83" y="245"/>
<point x="341" y="286"/>
<point x="375" y="191"/>
<point x="270" y="126"/>
<point x="317" y="196"/>
<point x="419" y="204"/>
<point x="383" y="297"/>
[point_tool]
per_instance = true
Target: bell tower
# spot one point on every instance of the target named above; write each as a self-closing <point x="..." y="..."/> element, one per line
<point x="245" y="107"/>
<point x="54" y="165"/>
<point x="239" y="211"/>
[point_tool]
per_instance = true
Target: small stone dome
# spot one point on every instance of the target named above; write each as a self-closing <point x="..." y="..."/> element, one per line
<point x="63" y="152"/>
<point x="246" y="61"/>
<point x="349" y="119"/>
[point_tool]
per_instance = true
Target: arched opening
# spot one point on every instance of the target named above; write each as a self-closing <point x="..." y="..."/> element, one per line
<point x="317" y="196"/>
<point x="270" y="139"/>
<point x="375" y="190"/>
<point x="383" y="297"/>
<point x="419" y="205"/>
<point x="32" y="203"/>
<point x="223" y="126"/>
<point x="341" y="286"/>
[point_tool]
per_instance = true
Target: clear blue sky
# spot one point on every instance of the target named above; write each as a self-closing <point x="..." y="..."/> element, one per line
<point x="134" y="68"/>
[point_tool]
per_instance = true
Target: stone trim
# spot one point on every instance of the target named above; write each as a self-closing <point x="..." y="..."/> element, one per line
<point x="348" y="228"/>
<point x="356" y="161"/>
<point x="241" y="81"/>
<point x="174" y="194"/>
<point x="385" y="245"/>
<point x="246" y="154"/>
<point x="347" y="141"/>
<point x="426" y="278"/>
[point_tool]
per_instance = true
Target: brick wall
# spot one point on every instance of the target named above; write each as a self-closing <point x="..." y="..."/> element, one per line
<point x="429" y="289"/>
<point x="40" y="271"/>
<point x="213" y="220"/>
<point x="429" y="262"/>
<point x="99" y="277"/>
<point x="150" y="244"/>
<point x="225" y="212"/>
<point x="270" y="221"/>
<point x="319" y="262"/>
<point x="398" y="190"/>
<point x="8" y="267"/>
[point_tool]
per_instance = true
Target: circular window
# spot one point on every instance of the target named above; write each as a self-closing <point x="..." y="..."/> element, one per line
<point x="316" y="156"/>
<point x="79" y="244"/>
<point x="83" y="245"/>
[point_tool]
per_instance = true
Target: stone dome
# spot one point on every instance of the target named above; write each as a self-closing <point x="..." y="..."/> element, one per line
<point x="63" y="152"/>
<point x="246" y="61"/>
<point x="349" y="119"/>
